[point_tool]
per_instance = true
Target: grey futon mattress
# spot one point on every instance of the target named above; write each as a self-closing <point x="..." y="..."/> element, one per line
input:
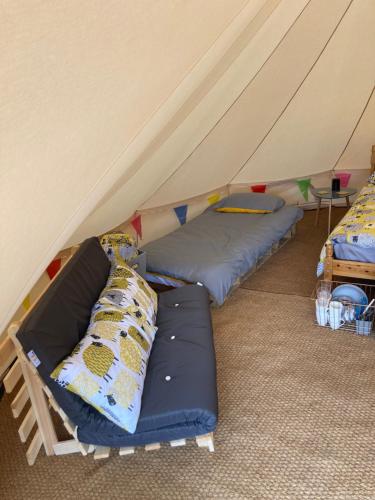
<point x="184" y="405"/>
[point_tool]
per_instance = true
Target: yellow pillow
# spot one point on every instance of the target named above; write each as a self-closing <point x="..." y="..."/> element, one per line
<point x="235" y="210"/>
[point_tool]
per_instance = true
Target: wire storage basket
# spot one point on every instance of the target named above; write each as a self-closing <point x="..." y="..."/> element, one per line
<point x="345" y="306"/>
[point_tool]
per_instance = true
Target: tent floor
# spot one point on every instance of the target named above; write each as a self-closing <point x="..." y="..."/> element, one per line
<point x="296" y="408"/>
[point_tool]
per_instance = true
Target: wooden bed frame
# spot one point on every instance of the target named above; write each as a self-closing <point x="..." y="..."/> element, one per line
<point x="348" y="268"/>
<point x="34" y="401"/>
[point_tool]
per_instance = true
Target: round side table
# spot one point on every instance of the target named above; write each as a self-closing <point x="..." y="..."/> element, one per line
<point x="326" y="193"/>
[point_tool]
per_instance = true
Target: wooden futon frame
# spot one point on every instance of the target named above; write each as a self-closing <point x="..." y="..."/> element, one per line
<point x="31" y="388"/>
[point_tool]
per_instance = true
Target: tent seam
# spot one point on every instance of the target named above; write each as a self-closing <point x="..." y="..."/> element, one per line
<point x="237" y="98"/>
<point x="355" y="128"/>
<point x="296" y="91"/>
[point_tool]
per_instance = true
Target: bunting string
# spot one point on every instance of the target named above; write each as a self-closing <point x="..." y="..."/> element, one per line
<point x="221" y="191"/>
<point x="304" y="185"/>
<point x="214" y="196"/>
<point x="344" y="178"/>
<point x="258" y="188"/>
<point x="137" y="225"/>
<point x="181" y="213"/>
<point x="53" y="268"/>
<point x="26" y="303"/>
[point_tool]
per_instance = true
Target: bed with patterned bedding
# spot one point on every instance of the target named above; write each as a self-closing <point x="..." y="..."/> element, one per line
<point x="350" y="248"/>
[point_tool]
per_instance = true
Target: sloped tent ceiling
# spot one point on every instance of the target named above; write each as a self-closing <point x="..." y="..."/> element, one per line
<point x="295" y="101"/>
<point x="79" y="81"/>
<point x="296" y="114"/>
<point x="111" y="106"/>
<point x="357" y="153"/>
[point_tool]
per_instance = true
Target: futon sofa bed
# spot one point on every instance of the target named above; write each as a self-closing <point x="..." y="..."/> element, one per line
<point x="179" y="398"/>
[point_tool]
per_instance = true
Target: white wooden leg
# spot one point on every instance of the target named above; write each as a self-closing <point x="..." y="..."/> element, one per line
<point x="126" y="451"/>
<point x="39" y="405"/>
<point x="65" y="447"/>
<point x="178" y="442"/>
<point x="152" y="447"/>
<point x="19" y="401"/>
<point x="27" y="425"/>
<point x="34" y="448"/>
<point x="101" y="452"/>
<point x="206" y="441"/>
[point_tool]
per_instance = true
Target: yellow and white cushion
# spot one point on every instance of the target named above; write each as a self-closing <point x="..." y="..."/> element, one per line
<point x="119" y="247"/>
<point x="107" y="368"/>
<point x="126" y="288"/>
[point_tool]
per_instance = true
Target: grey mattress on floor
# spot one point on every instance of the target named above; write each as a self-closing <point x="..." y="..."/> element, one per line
<point x="217" y="249"/>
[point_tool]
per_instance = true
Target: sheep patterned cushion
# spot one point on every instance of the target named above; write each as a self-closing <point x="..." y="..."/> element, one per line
<point x="119" y="247"/>
<point x="371" y="179"/>
<point x="125" y="288"/>
<point x="107" y="368"/>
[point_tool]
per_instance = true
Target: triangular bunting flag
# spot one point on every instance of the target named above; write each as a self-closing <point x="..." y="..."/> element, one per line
<point x="26" y="302"/>
<point x="137" y="225"/>
<point x="344" y="178"/>
<point x="304" y="185"/>
<point x="181" y="212"/>
<point x="258" y="188"/>
<point x="53" y="268"/>
<point x="213" y="198"/>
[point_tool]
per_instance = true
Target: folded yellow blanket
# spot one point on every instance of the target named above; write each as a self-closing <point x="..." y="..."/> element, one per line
<point x="235" y="210"/>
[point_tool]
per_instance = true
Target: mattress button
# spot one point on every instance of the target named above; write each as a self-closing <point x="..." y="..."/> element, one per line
<point x="173" y="337"/>
<point x="167" y="378"/>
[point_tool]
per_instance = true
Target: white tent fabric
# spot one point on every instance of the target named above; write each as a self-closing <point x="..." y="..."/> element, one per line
<point x="79" y="81"/>
<point x="264" y="37"/>
<point x="107" y="107"/>
<point x="317" y="81"/>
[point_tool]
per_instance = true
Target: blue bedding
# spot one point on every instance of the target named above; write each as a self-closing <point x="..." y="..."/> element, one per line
<point x="217" y="249"/>
<point x="347" y="251"/>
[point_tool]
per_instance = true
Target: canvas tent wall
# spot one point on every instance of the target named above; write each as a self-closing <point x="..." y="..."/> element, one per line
<point x="111" y="107"/>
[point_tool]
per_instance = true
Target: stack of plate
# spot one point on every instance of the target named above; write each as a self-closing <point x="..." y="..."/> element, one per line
<point x="351" y="294"/>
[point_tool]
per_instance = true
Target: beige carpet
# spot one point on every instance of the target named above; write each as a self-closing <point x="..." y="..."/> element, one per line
<point x="297" y="412"/>
<point x="292" y="269"/>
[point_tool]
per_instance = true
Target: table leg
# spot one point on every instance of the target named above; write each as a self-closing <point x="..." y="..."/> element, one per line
<point x="317" y="211"/>
<point x="347" y="201"/>
<point x="329" y="215"/>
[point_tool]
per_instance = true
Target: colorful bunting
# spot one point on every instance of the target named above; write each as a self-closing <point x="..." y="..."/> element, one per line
<point x="181" y="213"/>
<point x="137" y="225"/>
<point x="214" y="198"/>
<point x="304" y="185"/>
<point x="344" y="178"/>
<point x="258" y="188"/>
<point x="26" y="302"/>
<point x="53" y="268"/>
